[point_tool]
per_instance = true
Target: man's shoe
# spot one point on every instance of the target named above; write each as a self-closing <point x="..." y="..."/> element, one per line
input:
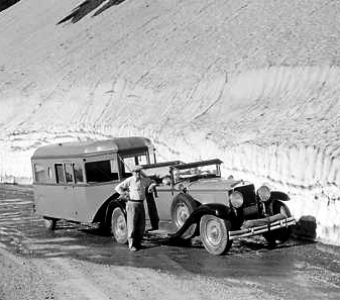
<point x="133" y="249"/>
<point x="151" y="229"/>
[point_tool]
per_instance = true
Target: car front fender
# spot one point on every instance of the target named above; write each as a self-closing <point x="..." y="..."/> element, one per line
<point x="277" y="195"/>
<point x="219" y="210"/>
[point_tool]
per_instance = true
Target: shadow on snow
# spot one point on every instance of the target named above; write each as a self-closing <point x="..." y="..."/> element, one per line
<point x="87" y="7"/>
<point x="4" y="4"/>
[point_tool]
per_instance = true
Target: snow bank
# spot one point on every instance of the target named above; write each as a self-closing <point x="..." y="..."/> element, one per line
<point x="234" y="125"/>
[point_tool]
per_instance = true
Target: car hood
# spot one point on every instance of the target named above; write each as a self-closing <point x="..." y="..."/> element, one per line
<point x="215" y="184"/>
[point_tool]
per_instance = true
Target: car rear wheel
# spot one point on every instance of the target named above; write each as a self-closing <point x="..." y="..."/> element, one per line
<point x="283" y="234"/>
<point x="50" y="224"/>
<point x="181" y="208"/>
<point x="119" y="226"/>
<point x="214" y="234"/>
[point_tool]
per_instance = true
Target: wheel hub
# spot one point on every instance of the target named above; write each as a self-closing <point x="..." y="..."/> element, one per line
<point x="182" y="214"/>
<point x="213" y="233"/>
<point x="120" y="225"/>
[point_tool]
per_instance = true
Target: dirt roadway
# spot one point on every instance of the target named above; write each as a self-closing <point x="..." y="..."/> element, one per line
<point x="74" y="263"/>
<point x="62" y="278"/>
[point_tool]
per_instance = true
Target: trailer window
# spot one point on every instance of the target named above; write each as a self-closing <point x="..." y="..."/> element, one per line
<point x="100" y="171"/>
<point x="40" y="173"/>
<point x="129" y="162"/>
<point x="78" y="173"/>
<point x="142" y="159"/>
<point x="69" y="173"/>
<point x="49" y="172"/>
<point x="59" y="170"/>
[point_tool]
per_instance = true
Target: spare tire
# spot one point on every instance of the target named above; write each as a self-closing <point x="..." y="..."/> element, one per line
<point x="50" y="223"/>
<point x="182" y="207"/>
<point x="280" y="235"/>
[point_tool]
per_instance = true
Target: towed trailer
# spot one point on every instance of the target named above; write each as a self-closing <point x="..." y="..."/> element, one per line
<point x="75" y="181"/>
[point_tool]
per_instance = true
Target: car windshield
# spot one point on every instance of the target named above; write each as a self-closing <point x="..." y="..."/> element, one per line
<point x="159" y="172"/>
<point x="196" y="171"/>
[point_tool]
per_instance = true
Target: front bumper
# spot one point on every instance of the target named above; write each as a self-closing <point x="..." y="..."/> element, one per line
<point x="259" y="226"/>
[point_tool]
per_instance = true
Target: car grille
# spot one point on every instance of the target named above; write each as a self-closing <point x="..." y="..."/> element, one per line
<point x="248" y="192"/>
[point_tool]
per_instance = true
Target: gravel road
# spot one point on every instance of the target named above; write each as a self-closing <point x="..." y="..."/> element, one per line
<point x="63" y="278"/>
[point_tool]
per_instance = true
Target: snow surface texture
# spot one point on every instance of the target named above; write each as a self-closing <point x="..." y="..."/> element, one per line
<point x="254" y="83"/>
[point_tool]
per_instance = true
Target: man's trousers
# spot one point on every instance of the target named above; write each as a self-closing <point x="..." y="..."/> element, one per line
<point x="135" y="223"/>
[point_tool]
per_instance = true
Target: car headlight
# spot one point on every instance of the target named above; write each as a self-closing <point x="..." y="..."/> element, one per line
<point x="264" y="193"/>
<point x="236" y="199"/>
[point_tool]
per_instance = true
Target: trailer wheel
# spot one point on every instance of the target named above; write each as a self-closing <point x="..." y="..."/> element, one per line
<point x="214" y="234"/>
<point x="181" y="208"/>
<point x="119" y="226"/>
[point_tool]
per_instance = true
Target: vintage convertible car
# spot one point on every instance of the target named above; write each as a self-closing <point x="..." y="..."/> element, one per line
<point x="197" y="201"/>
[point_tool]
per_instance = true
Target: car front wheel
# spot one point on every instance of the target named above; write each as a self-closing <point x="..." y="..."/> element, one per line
<point x="214" y="234"/>
<point x="118" y="226"/>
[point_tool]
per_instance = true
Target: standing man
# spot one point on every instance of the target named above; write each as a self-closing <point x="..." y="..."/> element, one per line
<point x="136" y="187"/>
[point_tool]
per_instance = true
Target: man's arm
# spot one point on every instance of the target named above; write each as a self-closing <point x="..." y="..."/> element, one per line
<point x="151" y="185"/>
<point x="122" y="187"/>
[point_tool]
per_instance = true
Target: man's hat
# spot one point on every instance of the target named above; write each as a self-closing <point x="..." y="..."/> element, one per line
<point x="137" y="168"/>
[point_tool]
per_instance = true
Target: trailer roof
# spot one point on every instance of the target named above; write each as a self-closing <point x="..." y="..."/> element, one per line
<point x="89" y="148"/>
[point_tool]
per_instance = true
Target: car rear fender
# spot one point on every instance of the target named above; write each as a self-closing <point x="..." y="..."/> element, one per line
<point x="219" y="210"/>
